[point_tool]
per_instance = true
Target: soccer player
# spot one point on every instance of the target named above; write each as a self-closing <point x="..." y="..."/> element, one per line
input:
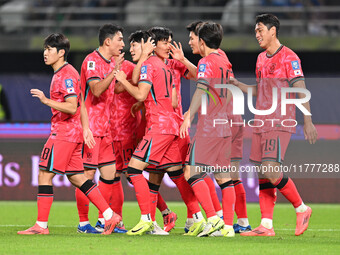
<point x="211" y="145"/>
<point x="159" y="146"/>
<point x="276" y="67"/>
<point x="62" y="151"/>
<point x="237" y="131"/>
<point x="97" y="82"/>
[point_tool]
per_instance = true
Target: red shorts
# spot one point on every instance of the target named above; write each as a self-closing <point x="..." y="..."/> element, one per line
<point x="209" y="151"/>
<point x="237" y="143"/>
<point x="159" y="150"/>
<point x="269" y="146"/>
<point x="101" y="155"/>
<point x="123" y="151"/>
<point x="61" y="157"/>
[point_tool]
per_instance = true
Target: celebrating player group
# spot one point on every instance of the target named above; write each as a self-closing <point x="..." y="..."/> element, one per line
<point x="124" y="118"/>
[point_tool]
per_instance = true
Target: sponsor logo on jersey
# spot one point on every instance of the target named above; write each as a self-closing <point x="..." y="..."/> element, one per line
<point x="295" y="65"/>
<point x="91" y="65"/>
<point x="201" y="68"/>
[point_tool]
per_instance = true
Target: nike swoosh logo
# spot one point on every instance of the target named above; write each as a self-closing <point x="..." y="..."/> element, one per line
<point x="266" y="153"/>
<point x="134" y="231"/>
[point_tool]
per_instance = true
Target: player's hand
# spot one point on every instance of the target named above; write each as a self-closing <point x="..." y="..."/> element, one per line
<point x="233" y="81"/>
<point x="310" y="132"/>
<point x="88" y="138"/>
<point x="119" y="61"/>
<point x="184" y="129"/>
<point x="120" y="76"/>
<point x="148" y="46"/>
<point x="135" y="108"/>
<point x="39" y="94"/>
<point x="177" y="51"/>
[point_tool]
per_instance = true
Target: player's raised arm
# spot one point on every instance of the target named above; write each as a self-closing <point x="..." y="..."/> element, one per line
<point x="69" y="106"/>
<point x="139" y="92"/>
<point x="147" y="49"/>
<point x="178" y="54"/>
<point x="309" y="129"/>
<point x="244" y="87"/>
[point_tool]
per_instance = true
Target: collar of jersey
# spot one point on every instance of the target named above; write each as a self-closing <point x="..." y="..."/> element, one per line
<point x="61" y="67"/>
<point x="108" y="61"/>
<point x="270" y="56"/>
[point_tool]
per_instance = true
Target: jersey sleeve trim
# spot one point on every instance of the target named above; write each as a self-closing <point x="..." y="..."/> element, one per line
<point x="144" y="81"/>
<point x="93" y="79"/>
<point x="292" y="81"/>
<point x="186" y="73"/>
<point x="70" y="95"/>
<point x="202" y="81"/>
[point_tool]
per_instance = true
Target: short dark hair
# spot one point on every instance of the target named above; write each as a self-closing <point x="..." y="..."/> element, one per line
<point x="108" y="31"/>
<point x="160" y="33"/>
<point x="58" y="41"/>
<point x="192" y="27"/>
<point x="269" y="20"/>
<point x="138" y="36"/>
<point x="211" y="33"/>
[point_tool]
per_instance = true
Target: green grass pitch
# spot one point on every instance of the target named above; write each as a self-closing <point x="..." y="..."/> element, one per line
<point x="322" y="237"/>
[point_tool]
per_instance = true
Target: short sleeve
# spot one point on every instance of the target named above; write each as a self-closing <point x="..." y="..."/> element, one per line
<point x="293" y="68"/>
<point x="92" y="70"/>
<point x="68" y="87"/>
<point x="204" y="72"/>
<point x="146" y="73"/>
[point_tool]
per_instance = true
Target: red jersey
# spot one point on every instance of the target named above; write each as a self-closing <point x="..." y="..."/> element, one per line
<point x="123" y="124"/>
<point x="279" y="70"/>
<point x="234" y="118"/>
<point x="160" y="115"/>
<point x="66" y="83"/>
<point x="96" y="67"/>
<point x="179" y="71"/>
<point x="214" y="69"/>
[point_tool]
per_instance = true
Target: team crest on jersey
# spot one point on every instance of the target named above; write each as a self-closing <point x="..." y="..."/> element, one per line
<point x="272" y="68"/>
<point x="91" y="65"/>
<point x="295" y="65"/>
<point x="69" y="86"/>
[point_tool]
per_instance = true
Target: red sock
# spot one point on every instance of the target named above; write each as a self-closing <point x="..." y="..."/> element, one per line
<point x="92" y="192"/>
<point x="186" y="191"/>
<point x="117" y="198"/>
<point x="241" y="202"/>
<point x="267" y="198"/>
<point x="83" y="204"/>
<point x="141" y="187"/>
<point x="153" y="199"/>
<point x="213" y="194"/>
<point x="228" y="202"/>
<point x="44" y="202"/>
<point x="202" y="194"/>
<point x="287" y="188"/>
<point x="105" y="188"/>
<point x="161" y="205"/>
<point x="189" y="213"/>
